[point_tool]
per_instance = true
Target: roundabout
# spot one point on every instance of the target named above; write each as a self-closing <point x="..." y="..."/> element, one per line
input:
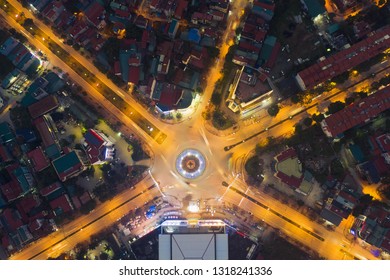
<point x="190" y="164"/>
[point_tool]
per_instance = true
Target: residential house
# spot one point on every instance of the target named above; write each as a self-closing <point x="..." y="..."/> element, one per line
<point x="53" y="10"/>
<point x="61" y="205"/>
<point x="6" y="133"/>
<point x="43" y="106"/>
<point x="38" y="159"/>
<point x="98" y="147"/>
<point x="357" y="113"/>
<point x="338" y="63"/>
<point x="373" y="227"/>
<point x="68" y="165"/>
<point x="15" y="181"/>
<point x="95" y="14"/>
<point x="47" y="130"/>
<point x="338" y="207"/>
<point x="247" y="91"/>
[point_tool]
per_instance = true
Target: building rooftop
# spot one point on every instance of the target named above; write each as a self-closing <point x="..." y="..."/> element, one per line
<point x="200" y="240"/>
<point x="344" y="60"/>
<point x="6" y="133"/>
<point x="289" y="171"/>
<point x="47" y="135"/>
<point x="43" y="106"/>
<point x="61" y="205"/>
<point x="67" y="165"/>
<point x="357" y="113"/>
<point x="38" y="159"/>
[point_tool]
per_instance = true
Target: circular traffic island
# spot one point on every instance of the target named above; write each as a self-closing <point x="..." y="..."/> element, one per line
<point x="190" y="164"/>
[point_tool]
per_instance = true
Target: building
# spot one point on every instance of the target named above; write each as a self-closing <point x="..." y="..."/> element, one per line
<point x="264" y="8"/>
<point x="95" y="14"/>
<point x="43" y="106"/>
<point x="61" y="205"/>
<point x="173" y="27"/>
<point x="38" y="159"/>
<point x="169" y="97"/>
<point x="193" y="240"/>
<point x="68" y="165"/>
<point x="373" y="227"/>
<point x="47" y="130"/>
<point x="269" y="52"/>
<point x="384" y="145"/>
<point x="338" y="207"/>
<point x="98" y="147"/>
<point x="357" y="113"/>
<point x="247" y="91"/>
<point x="344" y="60"/>
<point x="6" y="133"/>
<point x="288" y="169"/>
<point x="15" y="181"/>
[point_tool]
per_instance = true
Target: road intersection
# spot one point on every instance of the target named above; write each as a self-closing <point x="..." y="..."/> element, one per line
<point x="191" y="134"/>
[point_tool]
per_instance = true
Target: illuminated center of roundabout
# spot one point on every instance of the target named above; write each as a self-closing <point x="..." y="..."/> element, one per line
<point x="190" y="164"/>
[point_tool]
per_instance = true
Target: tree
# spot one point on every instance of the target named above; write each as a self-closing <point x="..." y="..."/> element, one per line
<point x="216" y="98"/>
<point x="342" y="78"/>
<point x="28" y="22"/>
<point x="298" y="129"/>
<point x="213" y="52"/>
<point x="111" y="49"/>
<point x="307" y="122"/>
<point x="72" y="138"/>
<point x="349" y="100"/>
<point x="179" y="116"/>
<point x="337" y="169"/>
<point x="133" y="32"/>
<point x="6" y="66"/>
<point x="318" y="118"/>
<point x="375" y="86"/>
<point x="273" y="110"/>
<point x="335" y="107"/>
<point x="296" y="98"/>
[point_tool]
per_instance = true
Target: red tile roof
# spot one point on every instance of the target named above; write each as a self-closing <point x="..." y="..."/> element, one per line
<point x="357" y="113"/>
<point x="94" y="12"/>
<point x="38" y="159"/>
<point x="346" y="59"/>
<point x="274" y="56"/>
<point x="4" y="154"/>
<point x="12" y="218"/>
<point x="43" y="106"/>
<point x="291" y="181"/>
<point x="170" y="95"/>
<point x="62" y="202"/>
<point x="44" y="131"/>
<point x="289" y="153"/>
<point x="26" y="204"/>
<point x="181" y="6"/>
<point x="11" y="190"/>
<point x="134" y="74"/>
<point x="384" y="142"/>
<point x="117" y="68"/>
<point x="50" y="189"/>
